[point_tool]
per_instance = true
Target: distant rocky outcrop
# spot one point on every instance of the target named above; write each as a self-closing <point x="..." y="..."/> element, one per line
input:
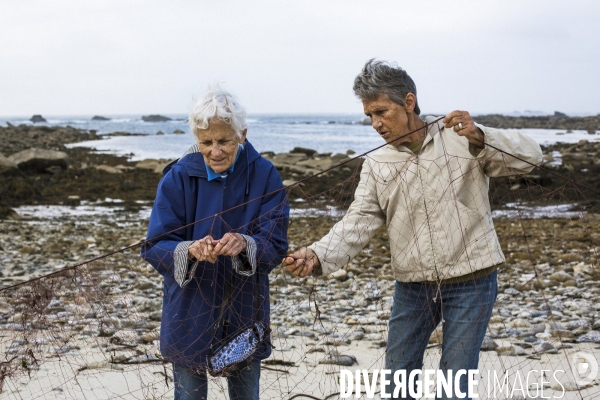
<point x="100" y="118"/>
<point x="556" y="121"/>
<point x="178" y="132"/>
<point x="37" y="118"/>
<point x="40" y="160"/>
<point x="155" y="118"/>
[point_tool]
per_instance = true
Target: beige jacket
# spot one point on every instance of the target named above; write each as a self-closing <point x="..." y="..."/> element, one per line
<point x="434" y="204"/>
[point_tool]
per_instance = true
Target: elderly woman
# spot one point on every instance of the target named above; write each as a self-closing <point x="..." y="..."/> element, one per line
<point x="220" y="217"/>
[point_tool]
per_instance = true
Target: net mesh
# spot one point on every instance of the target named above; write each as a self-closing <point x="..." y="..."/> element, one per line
<point x="92" y="330"/>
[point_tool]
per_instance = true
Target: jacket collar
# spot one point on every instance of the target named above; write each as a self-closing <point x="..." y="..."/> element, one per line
<point x="432" y="131"/>
<point x="194" y="164"/>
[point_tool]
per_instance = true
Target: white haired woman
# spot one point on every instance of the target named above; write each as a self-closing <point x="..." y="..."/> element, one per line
<point x="218" y="227"/>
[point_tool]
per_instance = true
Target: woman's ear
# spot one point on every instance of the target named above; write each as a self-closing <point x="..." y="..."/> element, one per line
<point x="243" y="138"/>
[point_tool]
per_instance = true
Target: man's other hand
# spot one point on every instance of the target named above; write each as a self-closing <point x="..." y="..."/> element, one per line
<point x="301" y="262"/>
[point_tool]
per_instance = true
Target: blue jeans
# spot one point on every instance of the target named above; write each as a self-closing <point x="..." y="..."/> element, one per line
<point x="243" y="384"/>
<point x="418" y="308"/>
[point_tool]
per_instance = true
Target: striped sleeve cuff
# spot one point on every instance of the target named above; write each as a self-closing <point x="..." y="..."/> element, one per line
<point x="184" y="268"/>
<point x="238" y="264"/>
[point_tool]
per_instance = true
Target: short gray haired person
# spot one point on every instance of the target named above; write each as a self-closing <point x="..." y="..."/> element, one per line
<point x="429" y="186"/>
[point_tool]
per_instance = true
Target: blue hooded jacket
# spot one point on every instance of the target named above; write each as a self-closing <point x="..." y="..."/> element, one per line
<point x="245" y="204"/>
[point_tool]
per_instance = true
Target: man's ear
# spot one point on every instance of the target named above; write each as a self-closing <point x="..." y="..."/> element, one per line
<point x="410" y="102"/>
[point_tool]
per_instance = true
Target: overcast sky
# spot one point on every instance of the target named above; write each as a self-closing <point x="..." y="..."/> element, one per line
<point x="68" y="57"/>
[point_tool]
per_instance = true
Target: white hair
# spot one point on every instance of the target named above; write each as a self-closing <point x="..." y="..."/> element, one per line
<point x="217" y="103"/>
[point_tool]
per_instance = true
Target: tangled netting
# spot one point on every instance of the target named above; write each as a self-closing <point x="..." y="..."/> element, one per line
<point x="91" y="331"/>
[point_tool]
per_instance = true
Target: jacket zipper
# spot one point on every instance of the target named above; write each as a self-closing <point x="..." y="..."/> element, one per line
<point x="427" y="216"/>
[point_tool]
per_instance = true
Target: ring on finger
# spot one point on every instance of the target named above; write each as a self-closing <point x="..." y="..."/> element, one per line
<point x="460" y="126"/>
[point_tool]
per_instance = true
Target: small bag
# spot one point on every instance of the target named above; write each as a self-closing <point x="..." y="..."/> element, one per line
<point x="239" y="349"/>
<point x="236" y="350"/>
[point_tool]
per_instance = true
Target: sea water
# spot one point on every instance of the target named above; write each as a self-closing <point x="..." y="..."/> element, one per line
<point x="333" y="133"/>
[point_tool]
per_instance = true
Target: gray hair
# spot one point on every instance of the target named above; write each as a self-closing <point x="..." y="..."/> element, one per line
<point x="381" y="77"/>
<point x="217" y="103"/>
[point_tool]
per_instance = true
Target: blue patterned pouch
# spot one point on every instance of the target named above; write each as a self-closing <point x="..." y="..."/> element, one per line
<point x="236" y="350"/>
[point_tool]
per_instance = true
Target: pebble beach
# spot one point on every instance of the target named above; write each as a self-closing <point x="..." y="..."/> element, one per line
<point x="91" y="328"/>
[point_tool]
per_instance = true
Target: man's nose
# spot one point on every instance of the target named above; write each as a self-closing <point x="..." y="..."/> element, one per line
<point x="375" y="122"/>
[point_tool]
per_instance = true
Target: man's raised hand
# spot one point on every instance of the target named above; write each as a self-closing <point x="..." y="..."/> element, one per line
<point x="462" y="123"/>
<point x="301" y="262"/>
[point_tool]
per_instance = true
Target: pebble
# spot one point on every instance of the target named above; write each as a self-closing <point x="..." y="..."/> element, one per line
<point x="346" y="361"/>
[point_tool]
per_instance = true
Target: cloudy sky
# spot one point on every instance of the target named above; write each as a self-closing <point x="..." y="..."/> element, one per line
<point x="68" y="57"/>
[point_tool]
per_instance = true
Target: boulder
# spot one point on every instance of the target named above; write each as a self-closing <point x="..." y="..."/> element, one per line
<point x="178" y="132"/>
<point x="148" y="163"/>
<point x="308" y="152"/>
<point x="286" y="159"/>
<point x="7" y="165"/>
<point x="100" y="118"/>
<point x="40" y="160"/>
<point x="8" y="213"/>
<point x="37" y="118"/>
<point x="155" y="118"/>
<point x="161" y="166"/>
<point x="109" y="169"/>
<point x="320" y="165"/>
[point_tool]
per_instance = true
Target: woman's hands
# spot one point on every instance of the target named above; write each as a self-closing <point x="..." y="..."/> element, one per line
<point x="208" y="249"/>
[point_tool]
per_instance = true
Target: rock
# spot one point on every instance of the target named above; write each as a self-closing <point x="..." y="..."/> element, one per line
<point x="559" y="114"/>
<point x="160" y="133"/>
<point x="287" y="159"/>
<point x="148" y="163"/>
<point x="161" y="166"/>
<point x="561" y="276"/>
<point x="280" y="281"/>
<point x="545" y="347"/>
<point x="590" y="337"/>
<point x="37" y="118"/>
<point x="510" y="350"/>
<point x="177" y="132"/>
<point x="346" y="361"/>
<point x="340" y="275"/>
<point x="488" y="344"/>
<point x="100" y="118"/>
<point x="520" y="323"/>
<point x="7" y="165"/>
<point x="150" y="337"/>
<point x="8" y="213"/>
<point x="155" y="118"/>
<point x="319" y="165"/>
<point x="39" y="159"/>
<point x="308" y="152"/>
<point x="109" y="169"/>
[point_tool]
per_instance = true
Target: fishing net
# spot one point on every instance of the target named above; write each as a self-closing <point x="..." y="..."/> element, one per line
<point x="90" y="329"/>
